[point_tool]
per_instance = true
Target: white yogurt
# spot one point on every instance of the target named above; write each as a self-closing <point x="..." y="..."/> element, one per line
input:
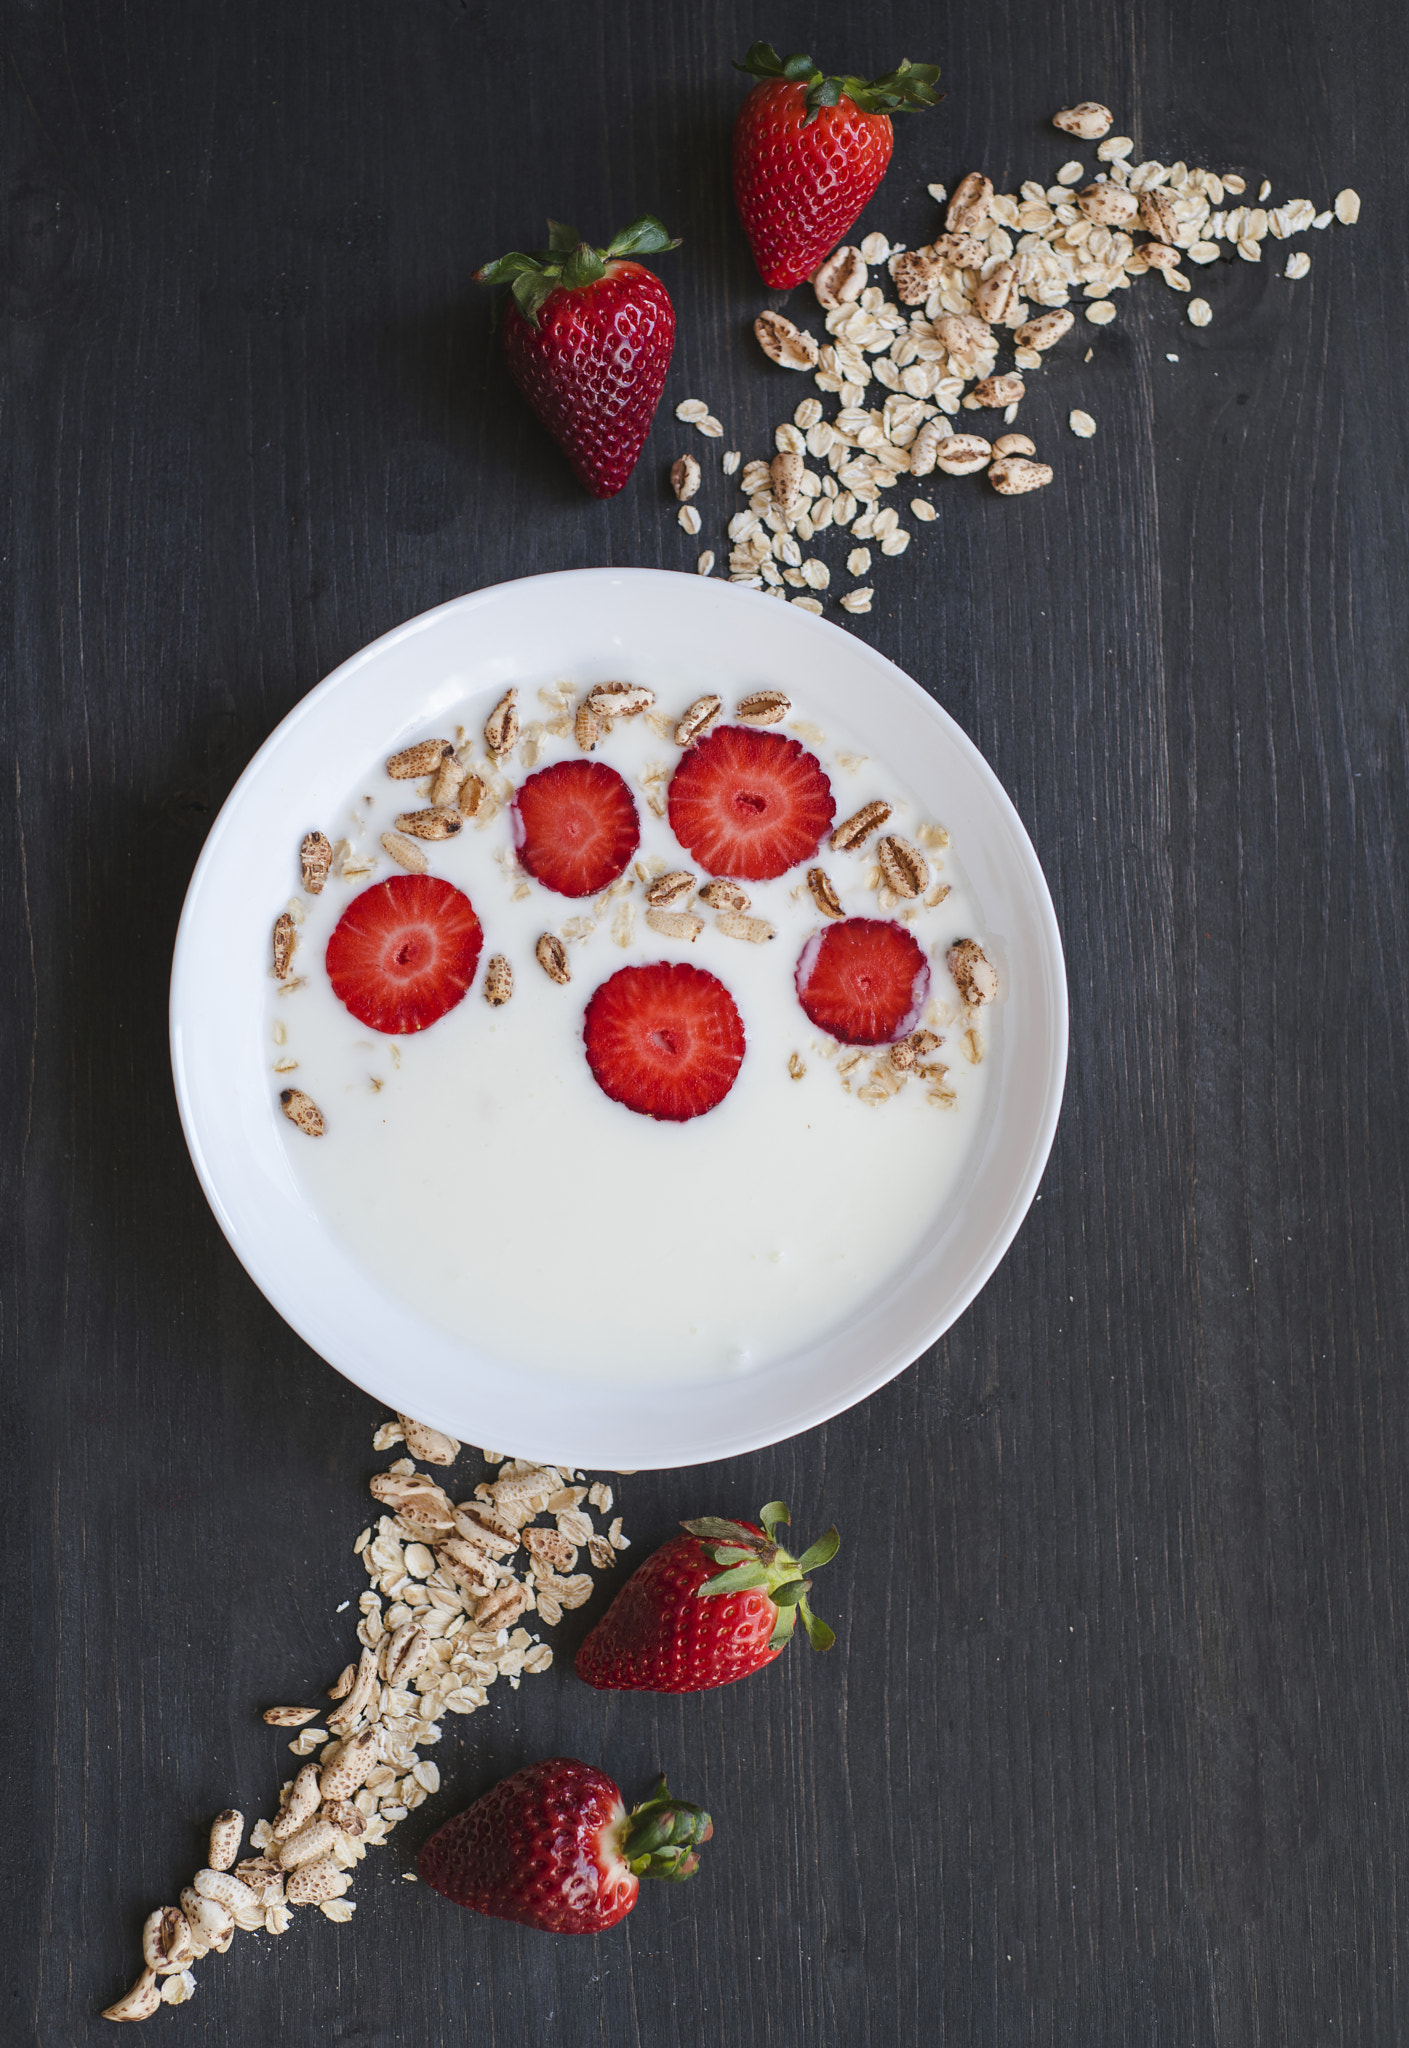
<point x="476" y="1170"/>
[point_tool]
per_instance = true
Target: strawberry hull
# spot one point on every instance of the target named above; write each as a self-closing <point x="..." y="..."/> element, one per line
<point x="594" y="368"/>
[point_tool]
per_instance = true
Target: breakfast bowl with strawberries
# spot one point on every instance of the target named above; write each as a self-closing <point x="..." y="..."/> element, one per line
<point x="620" y="1015"/>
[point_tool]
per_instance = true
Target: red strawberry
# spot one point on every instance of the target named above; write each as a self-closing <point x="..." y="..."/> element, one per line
<point x="864" y="980"/>
<point x="587" y="338"/>
<point x="665" y="1040"/>
<point x="575" y="826"/>
<point x="708" y="1607"/>
<point x="808" y="153"/>
<point x="404" y="953"/>
<point x="554" y="1847"/>
<point x="750" y="804"/>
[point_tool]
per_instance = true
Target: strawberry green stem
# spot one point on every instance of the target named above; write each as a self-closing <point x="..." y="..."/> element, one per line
<point x="904" y="90"/>
<point x="750" y="1561"/>
<point x="661" y="1837"/>
<point x="568" y="262"/>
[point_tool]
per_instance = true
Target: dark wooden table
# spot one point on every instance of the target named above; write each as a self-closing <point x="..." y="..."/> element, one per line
<point x="1113" y="1746"/>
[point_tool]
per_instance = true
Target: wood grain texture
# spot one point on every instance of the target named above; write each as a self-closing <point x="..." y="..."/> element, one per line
<point x="1113" y="1746"/>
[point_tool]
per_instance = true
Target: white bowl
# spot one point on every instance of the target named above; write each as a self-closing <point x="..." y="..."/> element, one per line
<point x="639" y="623"/>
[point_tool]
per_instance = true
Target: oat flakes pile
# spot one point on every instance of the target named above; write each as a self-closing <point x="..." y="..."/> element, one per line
<point x="452" y="1583"/>
<point x="1003" y="274"/>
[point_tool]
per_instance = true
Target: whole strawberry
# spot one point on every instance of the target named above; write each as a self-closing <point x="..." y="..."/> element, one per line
<point x="707" y="1608"/>
<point x="587" y="337"/>
<point x="808" y="153"/>
<point x="554" y="1847"/>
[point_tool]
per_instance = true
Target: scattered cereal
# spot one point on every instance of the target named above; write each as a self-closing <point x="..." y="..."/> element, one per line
<point x="1087" y="119"/>
<point x="451" y="1584"/>
<point x="904" y="355"/>
<point x="684" y="477"/>
<point x="1013" y="475"/>
<point x="1081" y="424"/>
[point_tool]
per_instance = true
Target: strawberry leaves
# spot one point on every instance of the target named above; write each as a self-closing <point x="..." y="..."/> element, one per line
<point x="569" y="263"/>
<point x="818" y="1634"/>
<point x="712" y="1528"/>
<point x="791" y="1592"/>
<point x="662" y="1836"/>
<point x="904" y="90"/>
<point x="644" y="237"/>
<point x="753" y="1563"/>
<point x="821" y="1552"/>
<point x="740" y="1578"/>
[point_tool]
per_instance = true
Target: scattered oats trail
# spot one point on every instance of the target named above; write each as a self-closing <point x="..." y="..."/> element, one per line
<point x="1004" y="272"/>
<point x="452" y="1587"/>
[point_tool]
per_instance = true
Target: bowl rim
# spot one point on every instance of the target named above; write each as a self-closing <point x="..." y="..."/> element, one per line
<point x="740" y="1438"/>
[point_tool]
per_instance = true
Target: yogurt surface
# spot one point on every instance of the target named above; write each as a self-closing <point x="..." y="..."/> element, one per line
<point x="476" y="1170"/>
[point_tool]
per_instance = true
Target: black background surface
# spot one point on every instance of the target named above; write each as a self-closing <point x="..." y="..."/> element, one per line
<point x="1112" y="1748"/>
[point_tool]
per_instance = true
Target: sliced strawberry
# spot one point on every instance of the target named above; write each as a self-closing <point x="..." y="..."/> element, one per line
<point x="750" y="804"/>
<point x="865" y="981"/>
<point x="404" y="952"/>
<point x="665" y="1040"/>
<point x="575" y="826"/>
